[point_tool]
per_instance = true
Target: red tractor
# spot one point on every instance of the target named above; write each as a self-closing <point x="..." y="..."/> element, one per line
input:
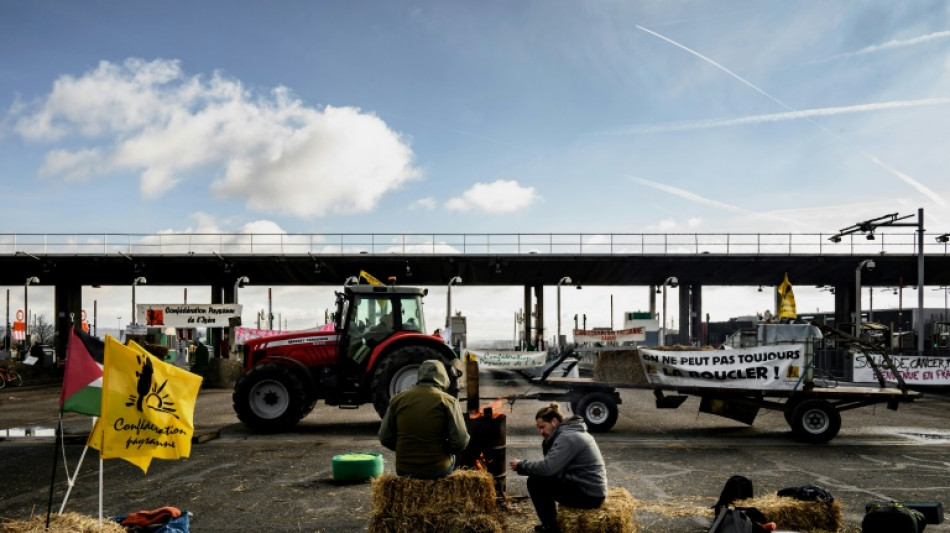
<point x="371" y="352"/>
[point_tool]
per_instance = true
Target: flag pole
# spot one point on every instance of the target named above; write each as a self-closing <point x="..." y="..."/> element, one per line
<point x="71" y="480"/>
<point x="100" y="491"/>
<point x="52" y="481"/>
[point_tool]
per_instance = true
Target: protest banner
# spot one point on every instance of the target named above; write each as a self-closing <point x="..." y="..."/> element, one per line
<point x="758" y="368"/>
<point x="916" y="370"/>
<point x="507" y="360"/>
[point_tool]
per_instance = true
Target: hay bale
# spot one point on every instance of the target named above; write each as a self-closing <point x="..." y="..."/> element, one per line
<point x="64" y="523"/>
<point x="796" y="515"/>
<point x="616" y="515"/>
<point x="464" y="501"/>
<point x="438" y="523"/>
<point x="465" y="491"/>
<point x="621" y="366"/>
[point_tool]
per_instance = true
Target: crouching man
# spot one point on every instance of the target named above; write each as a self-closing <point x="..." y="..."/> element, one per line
<point x="424" y="425"/>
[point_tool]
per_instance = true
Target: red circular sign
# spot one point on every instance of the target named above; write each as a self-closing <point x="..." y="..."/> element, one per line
<point x="83" y="315"/>
<point x="19" y="315"/>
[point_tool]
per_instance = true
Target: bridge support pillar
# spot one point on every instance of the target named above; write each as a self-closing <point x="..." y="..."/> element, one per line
<point x="67" y="298"/>
<point x="220" y="343"/>
<point x="696" y="315"/>
<point x="844" y="306"/>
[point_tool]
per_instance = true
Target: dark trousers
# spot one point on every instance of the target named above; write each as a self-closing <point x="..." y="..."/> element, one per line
<point x="547" y="491"/>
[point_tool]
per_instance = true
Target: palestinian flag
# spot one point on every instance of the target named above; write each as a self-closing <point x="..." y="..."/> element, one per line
<point x="82" y="385"/>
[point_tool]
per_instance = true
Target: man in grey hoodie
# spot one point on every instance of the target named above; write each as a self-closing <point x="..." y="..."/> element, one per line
<point x="572" y="471"/>
<point x="424" y="425"/>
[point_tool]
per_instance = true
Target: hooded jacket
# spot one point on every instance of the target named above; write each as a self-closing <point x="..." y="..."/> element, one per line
<point x="424" y="424"/>
<point x="571" y="454"/>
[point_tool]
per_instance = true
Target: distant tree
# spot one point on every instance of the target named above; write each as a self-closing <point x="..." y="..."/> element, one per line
<point x="43" y="331"/>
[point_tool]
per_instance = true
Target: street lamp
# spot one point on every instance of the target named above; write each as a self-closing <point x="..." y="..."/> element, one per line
<point x="239" y="284"/>
<point x="448" y="295"/>
<point x="670" y="282"/>
<point x="563" y="281"/>
<point x="32" y="280"/>
<point x="868" y="227"/>
<point x="869" y="265"/>
<point x="135" y="282"/>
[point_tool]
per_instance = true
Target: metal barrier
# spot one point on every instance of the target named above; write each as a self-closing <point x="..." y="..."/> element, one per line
<point x="462" y="243"/>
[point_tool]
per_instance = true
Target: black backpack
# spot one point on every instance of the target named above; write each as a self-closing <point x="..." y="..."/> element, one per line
<point x="736" y="488"/>
<point x="892" y="517"/>
<point x="807" y="493"/>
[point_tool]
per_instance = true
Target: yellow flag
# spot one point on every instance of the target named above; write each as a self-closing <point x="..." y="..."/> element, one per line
<point x="147" y="406"/>
<point x="369" y="278"/>
<point x="95" y="442"/>
<point x="786" y="306"/>
<point x="373" y="281"/>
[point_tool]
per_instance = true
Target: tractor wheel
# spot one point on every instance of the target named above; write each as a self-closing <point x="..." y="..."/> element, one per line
<point x="815" y="421"/>
<point x="399" y="370"/>
<point x="269" y="398"/>
<point x="598" y="410"/>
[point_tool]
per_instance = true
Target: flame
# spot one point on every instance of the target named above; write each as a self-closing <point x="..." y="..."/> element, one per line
<point x="481" y="463"/>
<point x="496" y="406"/>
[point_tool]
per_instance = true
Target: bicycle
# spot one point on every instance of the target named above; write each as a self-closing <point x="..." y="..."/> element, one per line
<point x="8" y="374"/>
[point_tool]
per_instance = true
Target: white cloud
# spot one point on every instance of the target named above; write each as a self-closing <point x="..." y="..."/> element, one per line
<point x="269" y="150"/>
<point x="428" y="203"/>
<point x="500" y="196"/>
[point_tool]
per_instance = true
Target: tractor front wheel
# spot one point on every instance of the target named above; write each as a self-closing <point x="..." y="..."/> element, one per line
<point x="399" y="370"/>
<point x="270" y="398"/>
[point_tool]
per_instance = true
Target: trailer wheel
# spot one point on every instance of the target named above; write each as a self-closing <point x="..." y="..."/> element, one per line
<point x="269" y="398"/>
<point x="815" y="421"/>
<point x="598" y="410"/>
<point x="398" y="371"/>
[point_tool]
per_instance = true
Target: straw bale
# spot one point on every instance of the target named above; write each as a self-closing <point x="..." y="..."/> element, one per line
<point x="616" y="515"/>
<point x="469" y="492"/>
<point x="437" y="523"/>
<point x="796" y="515"/>
<point x="621" y="366"/>
<point x="64" y="523"/>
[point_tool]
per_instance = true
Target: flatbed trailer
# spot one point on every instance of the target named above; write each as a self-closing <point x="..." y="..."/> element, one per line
<point x="812" y="408"/>
<point x="812" y="412"/>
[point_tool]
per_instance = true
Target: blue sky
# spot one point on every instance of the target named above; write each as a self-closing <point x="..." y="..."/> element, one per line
<point x="490" y="116"/>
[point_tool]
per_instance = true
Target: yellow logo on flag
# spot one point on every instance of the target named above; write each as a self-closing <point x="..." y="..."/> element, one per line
<point x="147" y="407"/>
<point x="786" y="307"/>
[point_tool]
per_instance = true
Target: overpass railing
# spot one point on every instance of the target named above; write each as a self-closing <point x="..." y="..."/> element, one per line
<point x="461" y="243"/>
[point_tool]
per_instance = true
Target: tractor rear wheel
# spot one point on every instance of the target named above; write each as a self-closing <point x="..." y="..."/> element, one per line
<point x="399" y="370"/>
<point x="270" y="398"/>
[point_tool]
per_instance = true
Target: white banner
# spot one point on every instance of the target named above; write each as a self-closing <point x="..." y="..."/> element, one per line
<point x="507" y="360"/>
<point x="762" y="367"/>
<point x="188" y="315"/>
<point x="610" y="335"/>
<point x="916" y="370"/>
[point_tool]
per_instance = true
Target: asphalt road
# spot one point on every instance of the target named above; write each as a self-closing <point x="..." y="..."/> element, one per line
<point x="674" y="462"/>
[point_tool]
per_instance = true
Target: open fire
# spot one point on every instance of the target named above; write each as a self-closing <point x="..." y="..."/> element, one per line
<point x="486" y="447"/>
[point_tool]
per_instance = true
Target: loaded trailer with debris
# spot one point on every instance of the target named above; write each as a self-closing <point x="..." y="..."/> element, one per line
<point x="778" y="373"/>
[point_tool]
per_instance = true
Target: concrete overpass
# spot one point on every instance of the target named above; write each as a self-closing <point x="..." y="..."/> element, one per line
<point x="71" y="261"/>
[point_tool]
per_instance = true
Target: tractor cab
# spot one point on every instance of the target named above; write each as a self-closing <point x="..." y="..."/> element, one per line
<point x="370" y="315"/>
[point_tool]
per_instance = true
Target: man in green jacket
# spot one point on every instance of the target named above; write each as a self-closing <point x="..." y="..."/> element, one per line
<point x="424" y="425"/>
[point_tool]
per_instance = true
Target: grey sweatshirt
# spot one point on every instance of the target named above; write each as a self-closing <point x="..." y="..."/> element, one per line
<point x="571" y="454"/>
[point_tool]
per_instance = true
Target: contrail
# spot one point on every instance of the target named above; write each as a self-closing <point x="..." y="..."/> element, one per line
<point x="890" y="45"/>
<point x="923" y="189"/>
<point x="693" y="197"/>
<point x="777" y="117"/>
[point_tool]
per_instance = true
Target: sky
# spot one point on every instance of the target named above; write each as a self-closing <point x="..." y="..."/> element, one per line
<point x="535" y="116"/>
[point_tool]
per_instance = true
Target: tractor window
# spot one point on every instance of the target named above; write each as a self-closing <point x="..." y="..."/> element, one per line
<point x="371" y="318"/>
<point x="412" y="319"/>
